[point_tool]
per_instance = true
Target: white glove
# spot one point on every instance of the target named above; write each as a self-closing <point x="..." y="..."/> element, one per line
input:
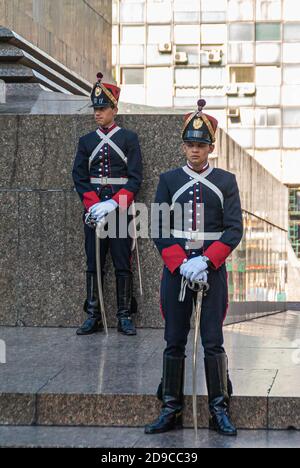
<point x="203" y="276"/>
<point x="102" y="209"/>
<point x="193" y="267"/>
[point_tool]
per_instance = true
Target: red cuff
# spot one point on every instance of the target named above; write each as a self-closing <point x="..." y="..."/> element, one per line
<point x="90" y="199"/>
<point x="124" y="198"/>
<point x="173" y="257"/>
<point x="217" y="253"/>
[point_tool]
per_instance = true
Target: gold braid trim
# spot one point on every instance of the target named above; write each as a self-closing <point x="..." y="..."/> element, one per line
<point x="186" y="123"/>
<point x="109" y="95"/>
<point x="209" y="126"/>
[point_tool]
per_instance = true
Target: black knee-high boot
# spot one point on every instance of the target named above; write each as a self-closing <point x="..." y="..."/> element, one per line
<point x="170" y="417"/>
<point x="124" y="299"/>
<point x="93" y="323"/>
<point x="216" y="369"/>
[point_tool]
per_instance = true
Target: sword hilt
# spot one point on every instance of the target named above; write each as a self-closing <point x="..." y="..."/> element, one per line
<point x="90" y="220"/>
<point x="198" y="286"/>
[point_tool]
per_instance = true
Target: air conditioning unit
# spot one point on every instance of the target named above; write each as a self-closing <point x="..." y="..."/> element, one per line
<point x="215" y="56"/>
<point x="248" y="89"/>
<point x="233" y="112"/>
<point x="232" y="89"/>
<point x="181" y="57"/>
<point x="165" y="48"/>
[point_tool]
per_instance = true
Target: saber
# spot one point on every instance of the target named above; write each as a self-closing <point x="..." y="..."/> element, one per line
<point x="201" y="289"/>
<point x="100" y="226"/>
<point x="135" y="246"/>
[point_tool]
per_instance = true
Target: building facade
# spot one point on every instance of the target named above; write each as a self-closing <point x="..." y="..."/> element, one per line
<point x="242" y="56"/>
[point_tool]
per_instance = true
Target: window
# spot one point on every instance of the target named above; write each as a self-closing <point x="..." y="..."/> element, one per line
<point x="268" y="9"/>
<point x="291" y="74"/>
<point x="240" y="10"/>
<point x="291" y="53"/>
<point x="268" y="76"/>
<point x="189" y="34"/>
<point x="267" y="95"/>
<point x="133" y="35"/>
<point x="291" y="32"/>
<point x="290" y="95"/>
<point x="267" y="138"/>
<point x="291" y="117"/>
<point x="186" y="16"/>
<point x="268" y="32"/>
<point x="132" y="12"/>
<point x="131" y="55"/>
<point x="213" y="17"/>
<point x="241" y="52"/>
<point x="132" y="76"/>
<point x="242" y="74"/>
<point x="241" y="32"/>
<point x="242" y="136"/>
<point x="267" y="52"/>
<point x="216" y="5"/>
<point x="291" y="137"/>
<point x="190" y="92"/>
<point x="160" y="86"/>
<point x="290" y="10"/>
<point x="187" y="77"/>
<point x="159" y="12"/>
<point x="154" y="57"/>
<point x="273" y="117"/>
<point x="192" y="53"/>
<point x="159" y="34"/>
<point x="186" y="12"/>
<point x="213" y="76"/>
<point x="213" y="34"/>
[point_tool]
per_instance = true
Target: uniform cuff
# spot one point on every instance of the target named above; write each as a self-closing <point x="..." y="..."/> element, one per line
<point x="90" y="199"/>
<point x="173" y="257"/>
<point x="218" y="253"/>
<point x="123" y="198"/>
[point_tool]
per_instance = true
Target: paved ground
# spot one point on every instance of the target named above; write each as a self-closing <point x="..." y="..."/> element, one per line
<point x="133" y="437"/>
<point x="264" y="356"/>
<point x="47" y="366"/>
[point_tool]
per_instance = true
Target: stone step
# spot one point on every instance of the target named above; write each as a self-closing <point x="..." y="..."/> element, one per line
<point x="14" y="47"/>
<point x="9" y="53"/>
<point x="16" y="73"/>
<point x="54" y="378"/>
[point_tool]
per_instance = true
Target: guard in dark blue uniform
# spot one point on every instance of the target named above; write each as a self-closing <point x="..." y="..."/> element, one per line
<point x="194" y="243"/>
<point x="107" y="174"/>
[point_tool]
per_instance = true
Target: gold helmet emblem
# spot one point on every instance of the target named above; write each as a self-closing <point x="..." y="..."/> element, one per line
<point x="197" y="124"/>
<point x="98" y="91"/>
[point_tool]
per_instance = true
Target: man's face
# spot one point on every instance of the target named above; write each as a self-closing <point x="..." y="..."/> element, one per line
<point x="105" y="116"/>
<point x="197" y="153"/>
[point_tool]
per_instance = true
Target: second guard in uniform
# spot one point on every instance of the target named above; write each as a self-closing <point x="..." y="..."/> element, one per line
<point x="195" y="248"/>
<point x="107" y="174"/>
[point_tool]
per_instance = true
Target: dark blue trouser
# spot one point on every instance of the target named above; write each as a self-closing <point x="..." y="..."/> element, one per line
<point x="120" y="250"/>
<point x="178" y="314"/>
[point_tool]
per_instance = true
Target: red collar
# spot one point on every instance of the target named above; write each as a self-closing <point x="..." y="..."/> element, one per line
<point x="198" y="172"/>
<point x="108" y="129"/>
